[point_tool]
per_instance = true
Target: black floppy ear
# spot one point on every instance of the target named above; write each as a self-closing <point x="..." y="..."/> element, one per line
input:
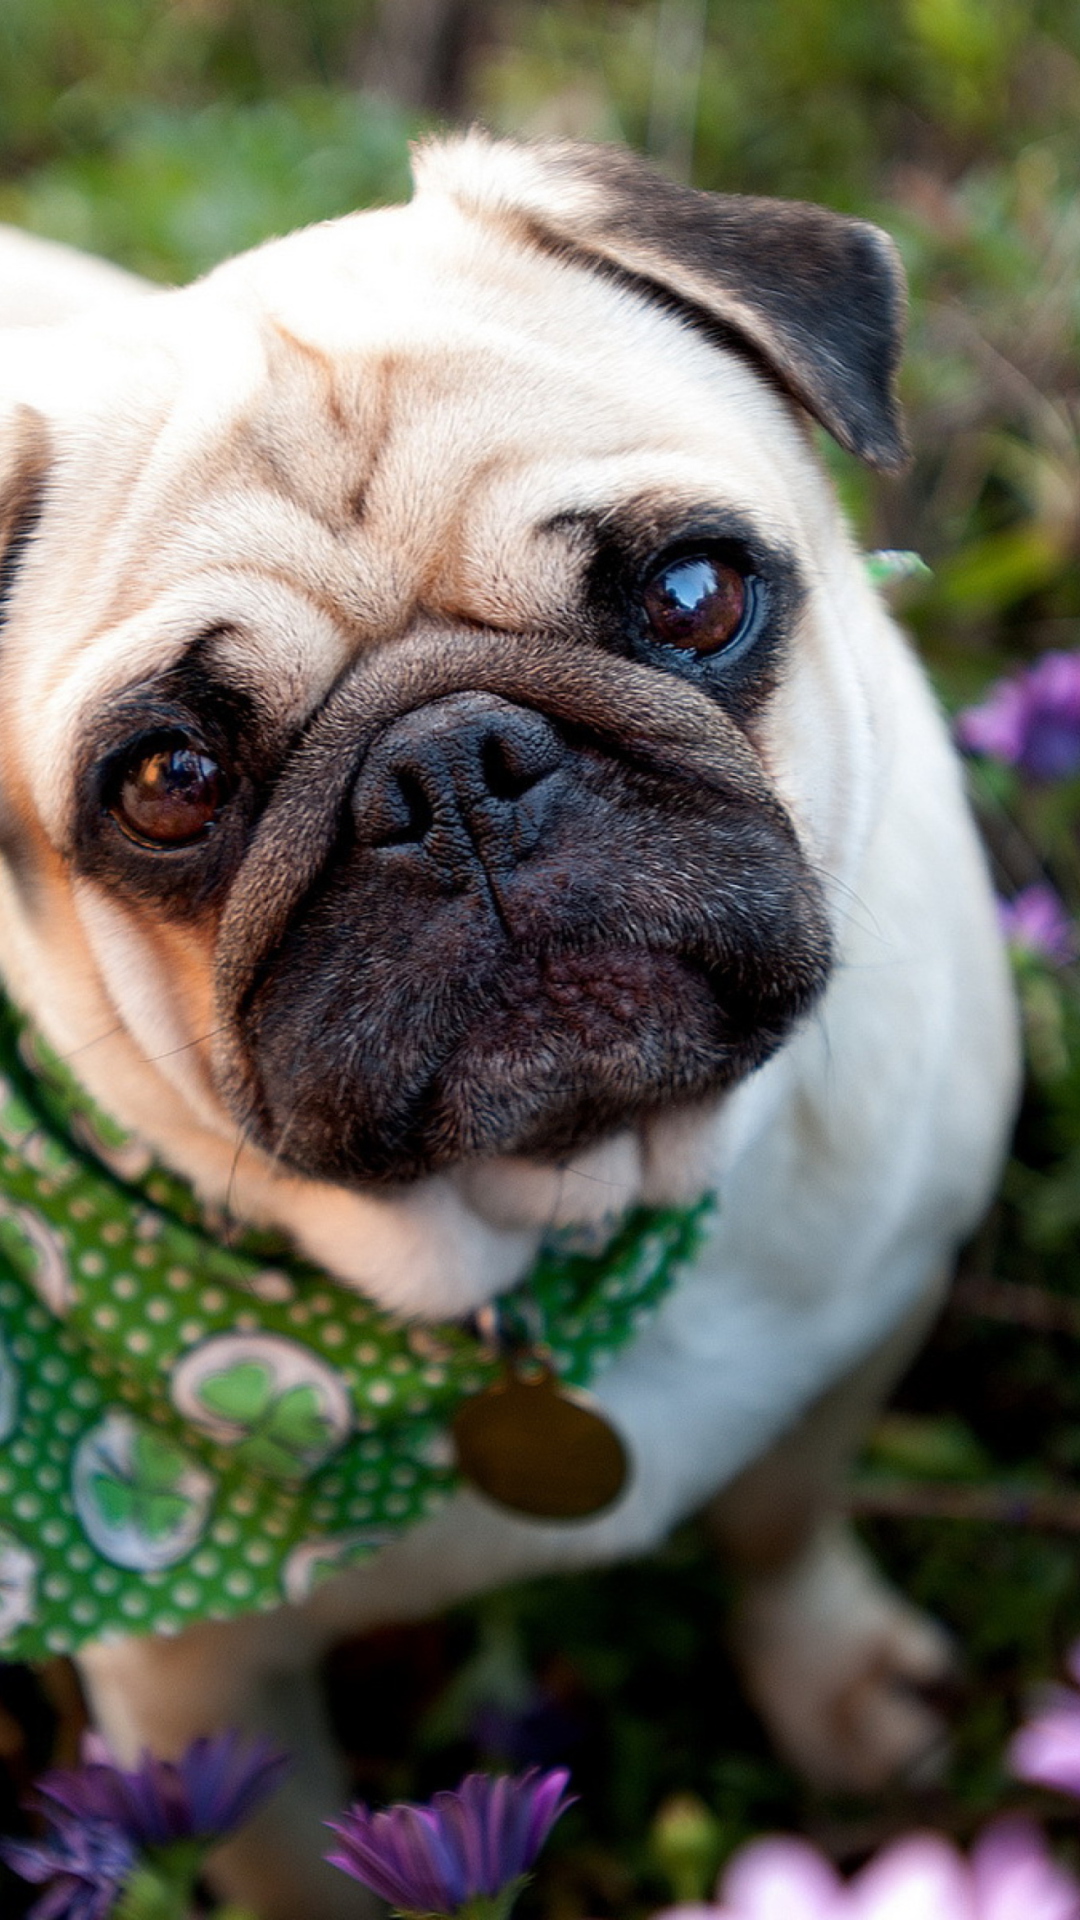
<point x="818" y="297"/>
<point x="25" y="455"/>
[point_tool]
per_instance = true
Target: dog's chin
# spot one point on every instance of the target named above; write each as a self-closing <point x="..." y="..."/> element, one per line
<point x="580" y="1046"/>
<point x="568" y="1050"/>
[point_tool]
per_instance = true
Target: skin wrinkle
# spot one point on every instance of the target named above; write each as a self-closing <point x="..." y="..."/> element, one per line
<point x="438" y="585"/>
<point x="257" y="440"/>
<point x="324" y="366"/>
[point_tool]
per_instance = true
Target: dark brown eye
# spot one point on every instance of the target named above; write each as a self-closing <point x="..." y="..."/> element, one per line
<point x="169" y="792"/>
<point x="698" y="603"/>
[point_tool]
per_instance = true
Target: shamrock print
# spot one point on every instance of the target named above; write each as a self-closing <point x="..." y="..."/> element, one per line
<point x="284" y="1430"/>
<point x="282" y="1408"/>
<point x="142" y="1500"/>
<point x="146" y="1497"/>
<point x="316" y="1560"/>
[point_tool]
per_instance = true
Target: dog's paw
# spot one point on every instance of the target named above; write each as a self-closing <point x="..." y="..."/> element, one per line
<point x="844" y="1672"/>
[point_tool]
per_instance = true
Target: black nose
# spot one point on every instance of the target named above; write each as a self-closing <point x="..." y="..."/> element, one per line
<point x="464" y="778"/>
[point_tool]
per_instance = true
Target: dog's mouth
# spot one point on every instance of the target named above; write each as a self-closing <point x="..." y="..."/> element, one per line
<point x="547" y="1056"/>
<point x="573" y="1047"/>
<point x="578" y="1044"/>
<point x="513" y="942"/>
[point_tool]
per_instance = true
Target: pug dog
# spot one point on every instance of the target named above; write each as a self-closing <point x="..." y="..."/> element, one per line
<point x="459" y="784"/>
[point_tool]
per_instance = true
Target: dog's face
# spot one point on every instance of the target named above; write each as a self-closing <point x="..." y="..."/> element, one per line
<point x="424" y="719"/>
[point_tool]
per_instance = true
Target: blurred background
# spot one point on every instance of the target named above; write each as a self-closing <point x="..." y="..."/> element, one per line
<point x="168" y="135"/>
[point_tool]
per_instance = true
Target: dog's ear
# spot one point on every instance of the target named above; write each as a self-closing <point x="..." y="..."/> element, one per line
<point x="25" y="455"/>
<point x="818" y="298"/>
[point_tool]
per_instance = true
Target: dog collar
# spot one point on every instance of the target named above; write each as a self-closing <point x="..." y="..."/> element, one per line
<point x="190" y="1430"/>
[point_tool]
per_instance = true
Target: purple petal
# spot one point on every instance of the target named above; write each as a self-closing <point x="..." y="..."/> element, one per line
<point x="548" y="1802"/>
<point x="409" y="1839"/>
<point x="224" y="1778"/>
<point x="468" y="1830"/>
<point x="213" y="1787"/>
<point x="27" y="1860"/>
<point x="357" y="1859"/>
<point x="159" y="1810"/>
<point x="781" y="1879"/>
<point x="1036" y="921"/>
<point x="85" y="1864"/>
<point x="997" y="727"/>
<point x="474" y="1839"/>
<point x="89" y="1793"/>
<point x="396" y="1853"/>
<point x="1015" y="1878"/>
<point x="1031" y="719"/>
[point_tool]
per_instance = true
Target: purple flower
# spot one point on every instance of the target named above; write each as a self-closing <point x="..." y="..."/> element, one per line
<point x="1010" y="1876"/>
<point x="1047" y="1750"/>
<point x="476" y="1841"/>
<point x="1036" y="922"/>
<point x="86" y="1863"/>
<point x="213" y="1787"/>
<point x="1031" y="719"/>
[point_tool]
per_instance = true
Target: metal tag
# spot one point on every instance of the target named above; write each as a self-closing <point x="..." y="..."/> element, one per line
<point x="539" y="1448"/>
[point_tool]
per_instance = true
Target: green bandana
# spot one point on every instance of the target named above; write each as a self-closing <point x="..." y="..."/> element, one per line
<point x="190" y="1430"/>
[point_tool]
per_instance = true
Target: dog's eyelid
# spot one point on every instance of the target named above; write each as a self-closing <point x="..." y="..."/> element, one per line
<point x="641" y="534"/>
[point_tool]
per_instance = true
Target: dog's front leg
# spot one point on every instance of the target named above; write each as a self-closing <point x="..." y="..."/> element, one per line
<point x="258" y="1674"/>
<point x="836" y="1662"/>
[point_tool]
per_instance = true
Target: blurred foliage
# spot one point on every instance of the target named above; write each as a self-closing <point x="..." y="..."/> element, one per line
<point x="166" y="135"/>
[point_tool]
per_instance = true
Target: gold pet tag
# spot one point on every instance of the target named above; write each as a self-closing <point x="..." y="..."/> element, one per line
<point x="533" y="1445"/>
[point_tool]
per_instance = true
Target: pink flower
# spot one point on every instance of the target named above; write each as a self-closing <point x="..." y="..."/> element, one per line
<point x="1035" y="921"/>
<point x="1031" y="719"/>
<point x="1010" y="1876"/>
<point x="1047" y="1750"/>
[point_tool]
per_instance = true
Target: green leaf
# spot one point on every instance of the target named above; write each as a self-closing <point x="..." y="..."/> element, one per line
<point x="296" y="1420"/>
<point x="157" y="1514"/>
<point x="115" y="1499"/>
<point x="156" y="1465"/>
<point x="123" y="1504"/>
<point x="267" y="1456"/>
<point x="890" y="565"/>
<point x="241" y="1393"/>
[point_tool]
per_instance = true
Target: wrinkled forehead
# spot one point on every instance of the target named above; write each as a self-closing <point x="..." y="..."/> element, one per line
<point x="391" y="415"/>
<point x="452" y="352"/>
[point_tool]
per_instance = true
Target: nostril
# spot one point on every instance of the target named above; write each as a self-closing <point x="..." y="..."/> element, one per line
<point x="510" y="764"/>
<point x="411" y="814"/>
<point x="420" y="810"/>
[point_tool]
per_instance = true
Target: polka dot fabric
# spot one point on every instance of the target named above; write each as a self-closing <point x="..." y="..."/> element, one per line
<point x="190" y="1430"/>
